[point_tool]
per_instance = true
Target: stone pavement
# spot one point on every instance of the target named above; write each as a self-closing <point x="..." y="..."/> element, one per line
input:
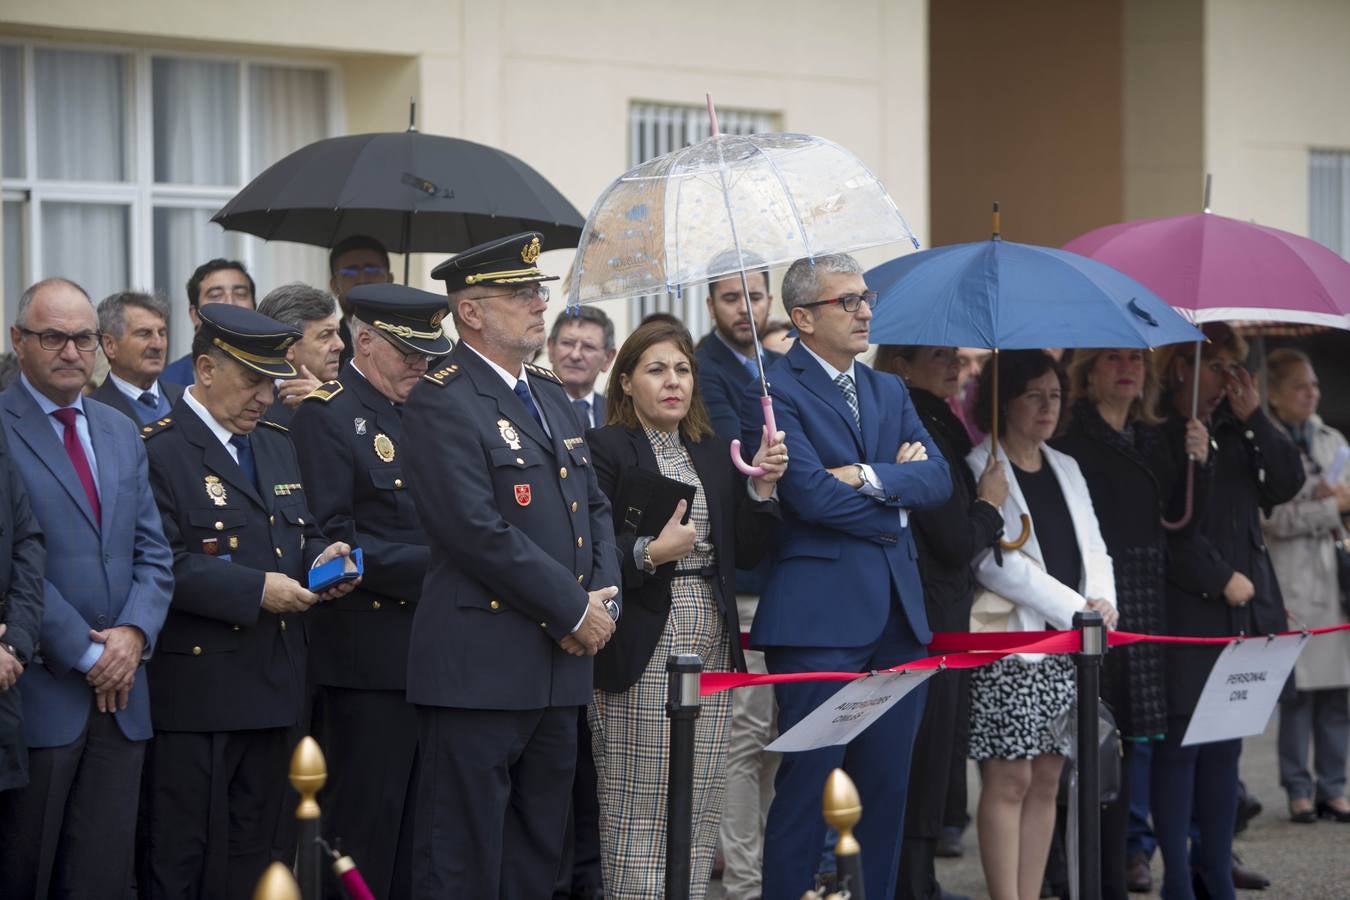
<point x="1302" y="861"/>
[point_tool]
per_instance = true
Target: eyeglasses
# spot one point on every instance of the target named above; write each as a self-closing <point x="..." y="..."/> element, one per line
<point x="358" y="271"/>
<point x="85" y="341"/>
<point x="572" y="345"/>
<point x="527" y="294"/>
<point x="410" y="357"/>
<point x="851" y="302"/>
<point x="220" y="292"/>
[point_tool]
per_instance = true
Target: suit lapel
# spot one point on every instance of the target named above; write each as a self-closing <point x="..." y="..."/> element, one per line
<point x="710" y="464"/>
<point x="813" y="378"/>
<point x="382" y="412"/>
<point x="869" y="408"/>
<point x="109" y="466"/>
<point x="34" y="428"/>
<point x="489" y="384"/>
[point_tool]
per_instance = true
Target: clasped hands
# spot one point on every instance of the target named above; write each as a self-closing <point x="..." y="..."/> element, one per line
<point x="597" y="626"/>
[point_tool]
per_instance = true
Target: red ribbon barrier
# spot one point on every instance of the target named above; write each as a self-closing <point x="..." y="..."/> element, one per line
<point x="962" y="650"/>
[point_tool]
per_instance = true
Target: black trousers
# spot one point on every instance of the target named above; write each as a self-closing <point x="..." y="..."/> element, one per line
<point x="579" y="874"/>
<point x="71" y="831"/>
<point x="370" y="742"/>
<point x="212" y="802"/>
<point x="492" y="801"/>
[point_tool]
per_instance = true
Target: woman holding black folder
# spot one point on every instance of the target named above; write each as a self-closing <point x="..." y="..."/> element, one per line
<point x="685" y="519"/>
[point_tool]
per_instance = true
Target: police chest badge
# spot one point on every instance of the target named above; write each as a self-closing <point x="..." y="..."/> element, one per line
<point x="215" y="490"/>
<point x="523" y="495"/>
<point x="508" y="433"/>
<point x="384" y="448"/>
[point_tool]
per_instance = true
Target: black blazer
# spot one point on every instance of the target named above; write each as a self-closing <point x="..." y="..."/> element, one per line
<point x="741" y="531"/>
<point x="108" y="393"/>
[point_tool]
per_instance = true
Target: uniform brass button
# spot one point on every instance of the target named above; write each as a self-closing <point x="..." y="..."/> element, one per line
<point x="519" y="461"/>
<point x="574" y="506"/>
<point x="398" y="482"/>
<point x="283" y="624"/>
<point x="278" y="549"/>
<point x="220" y="526"/>
<point x="579" y="578"/>
<point x="583" y="459"/>
<point x="562" y="473"/>
<point x="403" y="603"/>
<point x="374" y="604"/>
<point x="271" y="520"/>
<point x="236" y="628"/>
<point x="196" y="651"/>
<point x="580" y="541"/>
<point x="543" y="625"/>
<point x="300" y="521"/>
<point x="495" y="604"/>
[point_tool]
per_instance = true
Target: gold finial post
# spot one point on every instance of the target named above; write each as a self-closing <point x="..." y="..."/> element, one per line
<point x="994" y="218"/>
<point x="843" y="808"/>
<point x="276" y="883"/>
<point x="309" y="773"/>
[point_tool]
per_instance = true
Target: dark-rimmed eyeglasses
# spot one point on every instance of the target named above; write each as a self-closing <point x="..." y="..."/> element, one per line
<point x="410" y="357"/>
<point x="850" y="302"/>
<point x="53" y="340"/>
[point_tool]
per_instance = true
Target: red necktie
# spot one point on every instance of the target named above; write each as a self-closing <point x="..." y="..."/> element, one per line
<point x="77" y="458"/>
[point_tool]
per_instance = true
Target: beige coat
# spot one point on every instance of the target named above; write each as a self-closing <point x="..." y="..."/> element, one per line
<point x="1300" y="536"/>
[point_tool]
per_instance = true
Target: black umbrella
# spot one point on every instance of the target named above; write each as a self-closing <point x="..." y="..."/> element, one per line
<point x="410" y="191"/>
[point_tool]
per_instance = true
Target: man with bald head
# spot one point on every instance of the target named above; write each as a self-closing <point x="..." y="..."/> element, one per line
<point x="108" y="581"/>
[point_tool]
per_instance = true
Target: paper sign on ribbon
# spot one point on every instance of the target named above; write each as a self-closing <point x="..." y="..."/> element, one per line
<point x="849" y="712"/>
<point x="1242" y="688"/>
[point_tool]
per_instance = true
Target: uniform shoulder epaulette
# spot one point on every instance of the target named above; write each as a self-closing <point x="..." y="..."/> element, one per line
<point x="279" y="427"/>
<point x="442" y="376"/>
<point x="155" y="427"/>
<point x="325" y="392"/>
<point x="543" y="373"/>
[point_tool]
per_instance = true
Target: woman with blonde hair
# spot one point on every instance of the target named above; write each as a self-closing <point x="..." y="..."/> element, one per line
<point x="1302" y="535"/>
<point x="1132" y="468"/>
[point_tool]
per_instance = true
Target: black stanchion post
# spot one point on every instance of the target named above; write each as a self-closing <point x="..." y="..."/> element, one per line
<point x="309" y="772"/>
<point x="682" y="707"/>
<point x="1089" y="662"/>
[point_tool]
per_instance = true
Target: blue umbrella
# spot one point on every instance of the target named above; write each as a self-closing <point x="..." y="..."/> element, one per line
<point x="1008" y="296"/>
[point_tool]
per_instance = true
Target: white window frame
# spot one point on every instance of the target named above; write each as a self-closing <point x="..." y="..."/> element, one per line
<point x="1322" y="207"/>
<point x="140" y="193"/>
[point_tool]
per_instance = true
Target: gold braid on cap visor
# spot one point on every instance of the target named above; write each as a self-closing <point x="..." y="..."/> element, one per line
<point x="245" y="356"/>
<point x="405" y="332"/>
<point x="506" y="275"/>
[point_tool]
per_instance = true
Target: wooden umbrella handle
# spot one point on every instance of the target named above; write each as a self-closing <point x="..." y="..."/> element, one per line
<point x="1026" y="535"/>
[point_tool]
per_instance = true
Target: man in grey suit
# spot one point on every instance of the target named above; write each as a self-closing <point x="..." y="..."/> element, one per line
<point x="107" y="587"/>
<point x="135" y="331"/>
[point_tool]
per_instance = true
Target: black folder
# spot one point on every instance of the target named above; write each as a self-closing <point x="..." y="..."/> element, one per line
<point x="646" y="501"/>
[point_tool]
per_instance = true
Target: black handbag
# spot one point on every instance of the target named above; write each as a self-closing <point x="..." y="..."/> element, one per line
<point x="1343" y="573"/>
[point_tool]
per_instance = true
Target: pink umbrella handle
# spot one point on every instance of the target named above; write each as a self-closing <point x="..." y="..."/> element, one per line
<point x="1190" y="500"/>
<point x="766" y="403"/>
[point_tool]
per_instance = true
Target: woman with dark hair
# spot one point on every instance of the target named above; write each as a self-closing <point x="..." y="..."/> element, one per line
<point x="1226" y="586"/>
<point x="948" y="537"/>
<point x="679" y="597"/>
<point x="1132" y="469"/>
<point x="1062" y="568"/>
<point x="1303" y="534"/>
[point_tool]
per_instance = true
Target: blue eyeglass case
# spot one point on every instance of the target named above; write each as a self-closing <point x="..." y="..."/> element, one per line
<point x="321" y="578"/>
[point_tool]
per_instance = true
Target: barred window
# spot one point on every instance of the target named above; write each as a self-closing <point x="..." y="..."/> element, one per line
<point x="1329" y="199"/>
<point x="655" y="129"/>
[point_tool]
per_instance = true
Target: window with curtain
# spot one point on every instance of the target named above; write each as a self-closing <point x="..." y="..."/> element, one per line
<point x="655" y="129"/>
<point x="73" y="175"/>
<point x="1329" y="199"/>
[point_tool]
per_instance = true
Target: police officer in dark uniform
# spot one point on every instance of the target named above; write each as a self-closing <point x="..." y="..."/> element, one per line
<point x="228" y="673"/>
<point x="521" y="589"/>
<point x="348" y="435"/>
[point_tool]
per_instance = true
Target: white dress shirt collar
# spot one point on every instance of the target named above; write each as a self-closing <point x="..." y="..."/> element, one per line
<point x="222" y="433"/>
<point x="830" y="370"/>
<point x="131" y="392"/>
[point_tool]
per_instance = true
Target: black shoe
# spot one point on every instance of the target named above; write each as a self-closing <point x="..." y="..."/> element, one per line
<point x="1248" y="808"/>
<point x="1304" y="815"/>
<point x="948" y="895"/>
<point x="1138" y="875"/>
<point x="949" y="843"/>
<point x="1247" y="879"/>
<point x="1326" y="811"/>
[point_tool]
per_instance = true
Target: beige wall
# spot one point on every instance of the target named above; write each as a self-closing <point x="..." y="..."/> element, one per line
<point x="1277" y="79"/>
<point x="551" y="82"/>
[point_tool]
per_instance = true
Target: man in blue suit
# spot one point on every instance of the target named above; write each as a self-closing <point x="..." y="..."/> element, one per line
<point x="844" y="592"/>
<point x="109" y="577"/>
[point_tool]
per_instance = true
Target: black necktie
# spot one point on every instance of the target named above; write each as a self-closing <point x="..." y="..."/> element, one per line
<point x="523" y="392"/>
<point x="245" y="450"/>
<point x="149" y="399"/>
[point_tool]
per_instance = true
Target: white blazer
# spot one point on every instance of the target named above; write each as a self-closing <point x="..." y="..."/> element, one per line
<point x="1041" y="601"/>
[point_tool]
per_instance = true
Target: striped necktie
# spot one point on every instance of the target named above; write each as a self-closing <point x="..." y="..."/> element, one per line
<point x="845" y="384"/>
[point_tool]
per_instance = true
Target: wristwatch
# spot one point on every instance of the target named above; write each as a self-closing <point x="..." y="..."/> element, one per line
<point x="613" y="606"/>
<point x="642" y="550"/>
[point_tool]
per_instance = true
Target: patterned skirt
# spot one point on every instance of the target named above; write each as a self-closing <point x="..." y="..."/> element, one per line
<point x="631" y="745"/>
<point x="1013" y="702"/>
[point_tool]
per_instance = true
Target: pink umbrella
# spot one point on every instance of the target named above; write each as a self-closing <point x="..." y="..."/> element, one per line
<point x="1214" y="268"/>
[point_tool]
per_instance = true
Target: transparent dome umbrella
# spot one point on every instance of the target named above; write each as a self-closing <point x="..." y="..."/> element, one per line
<point x="724" y="205"/>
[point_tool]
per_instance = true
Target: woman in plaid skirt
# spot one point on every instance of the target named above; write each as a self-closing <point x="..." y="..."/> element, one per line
<point x="678" y="598"/>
